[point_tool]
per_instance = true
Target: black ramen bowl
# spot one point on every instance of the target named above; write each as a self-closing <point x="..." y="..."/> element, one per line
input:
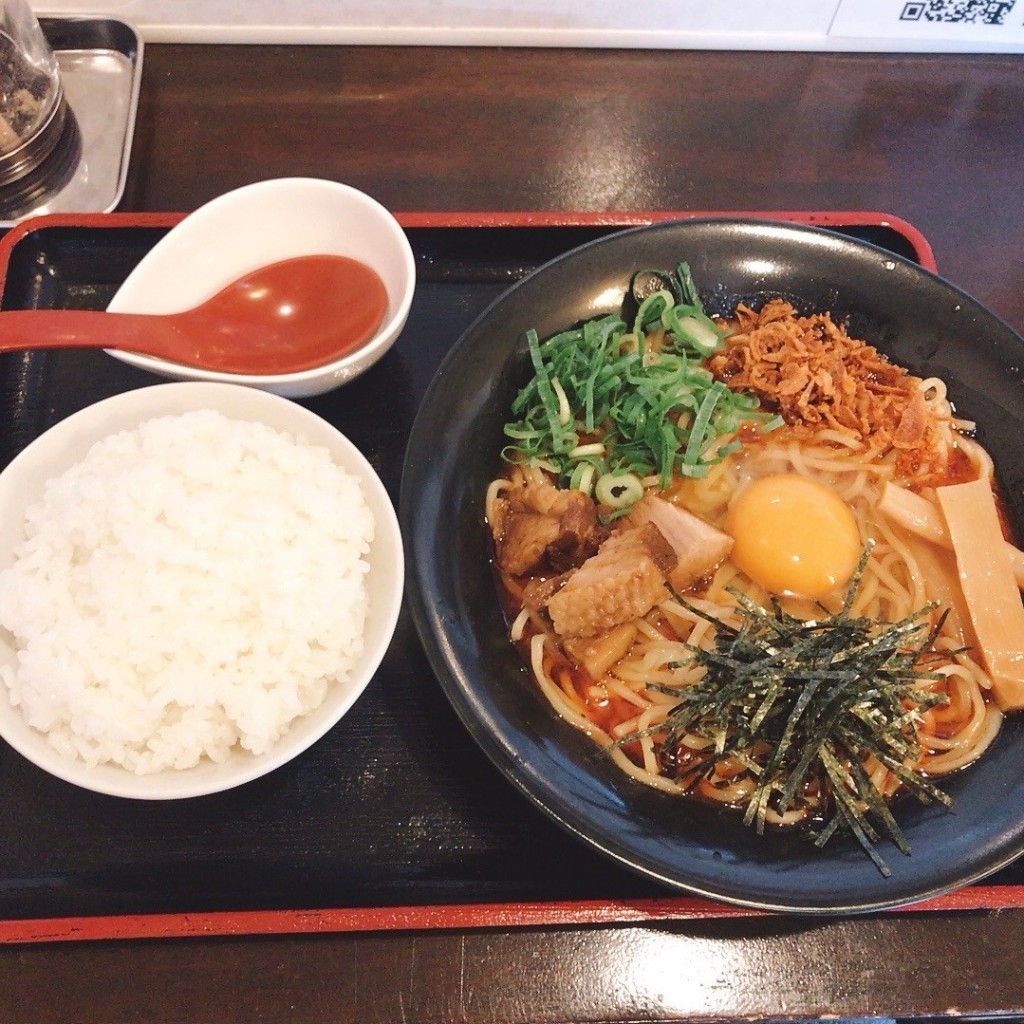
<point x="915" y="318"/>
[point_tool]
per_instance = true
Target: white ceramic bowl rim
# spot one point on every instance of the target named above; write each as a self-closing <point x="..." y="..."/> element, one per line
<point x="67" y="442"/>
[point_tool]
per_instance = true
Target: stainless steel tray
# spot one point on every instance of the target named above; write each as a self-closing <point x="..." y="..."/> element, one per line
<point x="100" y="60"/>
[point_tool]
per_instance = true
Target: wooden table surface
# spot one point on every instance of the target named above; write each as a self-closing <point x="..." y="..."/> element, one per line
<point x="937" y="140"/>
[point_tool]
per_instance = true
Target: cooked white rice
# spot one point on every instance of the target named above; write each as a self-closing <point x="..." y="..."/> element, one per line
<point x="190" y="587"/>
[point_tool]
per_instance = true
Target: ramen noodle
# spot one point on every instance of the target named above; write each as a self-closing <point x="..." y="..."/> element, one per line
<point x="705" y="602"/>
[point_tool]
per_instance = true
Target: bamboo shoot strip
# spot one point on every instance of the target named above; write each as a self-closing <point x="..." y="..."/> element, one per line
<point x="986" y="576"/>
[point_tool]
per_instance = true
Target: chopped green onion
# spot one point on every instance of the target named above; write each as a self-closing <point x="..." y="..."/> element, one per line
<point x="700" y="333"/>
<point x="604" y="394"/>
<point x="651" y="310"/>
<point x="583" y="477"/>
<point x="587" y="449"/>
<point x="564" y="412"/>
<point x="618" y="490"/>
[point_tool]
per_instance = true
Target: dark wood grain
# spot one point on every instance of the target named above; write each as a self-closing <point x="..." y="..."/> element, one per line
<point x="935" y="139"/>
<point x="767" y="968"/>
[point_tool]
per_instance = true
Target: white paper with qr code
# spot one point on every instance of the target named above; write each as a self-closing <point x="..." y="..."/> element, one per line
<point x="998" y="23"/>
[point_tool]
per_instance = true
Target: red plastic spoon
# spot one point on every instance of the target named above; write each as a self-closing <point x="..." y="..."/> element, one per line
<point x="284" y="317"/>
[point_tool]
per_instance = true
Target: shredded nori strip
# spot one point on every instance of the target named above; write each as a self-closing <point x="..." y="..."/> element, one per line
<point x="802" y="703"/>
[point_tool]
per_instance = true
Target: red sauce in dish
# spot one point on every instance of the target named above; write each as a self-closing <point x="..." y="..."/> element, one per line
<point x="291" y="315"/>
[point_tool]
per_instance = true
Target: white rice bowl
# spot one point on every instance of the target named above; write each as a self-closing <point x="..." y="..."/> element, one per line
<point x="197" y="580"/>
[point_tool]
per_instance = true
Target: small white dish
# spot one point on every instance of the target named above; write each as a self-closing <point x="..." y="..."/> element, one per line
<point x="66" y="443"/>
<point x="260" y="224"/>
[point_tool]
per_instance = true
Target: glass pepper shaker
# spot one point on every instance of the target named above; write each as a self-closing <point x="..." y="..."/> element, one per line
<point x="32" y="104"/>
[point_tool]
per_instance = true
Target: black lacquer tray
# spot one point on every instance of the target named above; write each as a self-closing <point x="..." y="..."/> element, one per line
<point x="395" y="808"/>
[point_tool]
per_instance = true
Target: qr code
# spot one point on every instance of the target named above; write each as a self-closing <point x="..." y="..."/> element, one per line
<point x="961" y="12"/>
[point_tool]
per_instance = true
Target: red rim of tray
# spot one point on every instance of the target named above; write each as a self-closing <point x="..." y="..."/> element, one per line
<point x="496" y="219"/>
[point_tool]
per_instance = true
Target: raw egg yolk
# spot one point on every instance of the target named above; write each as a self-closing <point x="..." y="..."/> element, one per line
<point x="794" y="536"/>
